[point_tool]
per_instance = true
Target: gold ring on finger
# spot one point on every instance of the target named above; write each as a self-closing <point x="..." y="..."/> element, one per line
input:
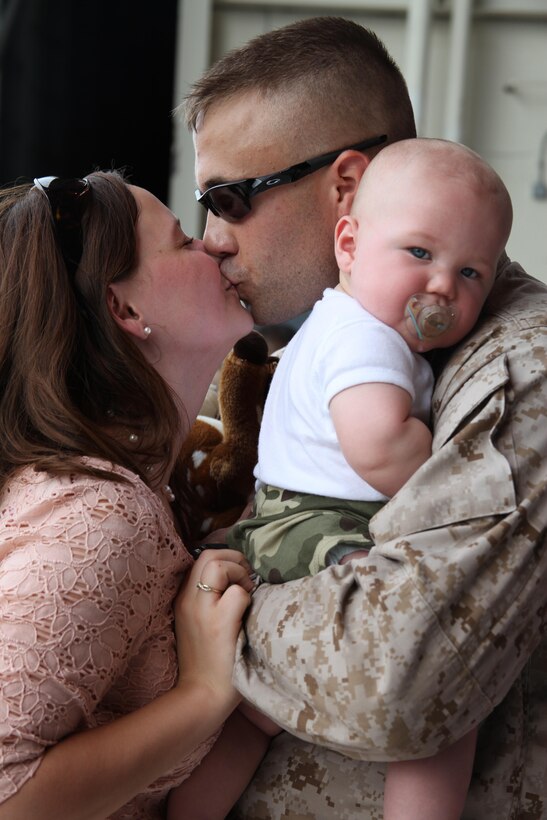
<point x="207" y="588"/>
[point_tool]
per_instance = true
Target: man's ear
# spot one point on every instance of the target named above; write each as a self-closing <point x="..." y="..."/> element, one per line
<point x="344" y="242"/>
<point x="125" y="315"/>
<point x="348" y="168"/>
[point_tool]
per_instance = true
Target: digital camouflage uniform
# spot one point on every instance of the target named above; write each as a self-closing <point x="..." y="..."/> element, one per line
<point x="442" y="627"/>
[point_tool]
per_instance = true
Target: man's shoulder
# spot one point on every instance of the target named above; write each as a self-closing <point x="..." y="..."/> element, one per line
<point x="514" y="314"/>
<point x="509" y="341"/>
<point x="517" y="299"/>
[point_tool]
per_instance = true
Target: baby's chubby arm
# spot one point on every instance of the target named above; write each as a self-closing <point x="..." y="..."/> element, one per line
<point x="378" y="437"/>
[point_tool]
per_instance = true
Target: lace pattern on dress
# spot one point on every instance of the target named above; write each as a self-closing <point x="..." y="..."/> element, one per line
<point x="88" y="572"/>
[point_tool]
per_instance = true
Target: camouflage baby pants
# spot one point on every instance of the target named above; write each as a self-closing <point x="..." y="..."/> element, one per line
<point x="290" y="534"/>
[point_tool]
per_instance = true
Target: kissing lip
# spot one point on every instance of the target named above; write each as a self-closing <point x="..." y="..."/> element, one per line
<point x="228" y="282"/>
<point x="235" y="286"/>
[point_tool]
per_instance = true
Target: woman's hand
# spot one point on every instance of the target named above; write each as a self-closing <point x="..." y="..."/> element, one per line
<point x="208" y="614"/>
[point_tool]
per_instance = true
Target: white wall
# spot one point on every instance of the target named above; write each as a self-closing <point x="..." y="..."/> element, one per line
<point x="507" y="49"/>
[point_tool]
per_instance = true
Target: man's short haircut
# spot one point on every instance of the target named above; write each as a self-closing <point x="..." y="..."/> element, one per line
<point x="340" y="71"/>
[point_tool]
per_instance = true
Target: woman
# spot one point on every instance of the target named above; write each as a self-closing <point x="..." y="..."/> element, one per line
<point x="113" y="324"/>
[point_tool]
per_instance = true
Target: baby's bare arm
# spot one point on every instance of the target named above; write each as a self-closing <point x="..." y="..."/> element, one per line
<point x="379" y="438"/>
<point x="223" y="775"/>
<point x="267" y="726"/>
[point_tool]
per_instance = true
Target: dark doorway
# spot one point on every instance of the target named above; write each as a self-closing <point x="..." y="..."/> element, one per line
<point x="88" y="84"/>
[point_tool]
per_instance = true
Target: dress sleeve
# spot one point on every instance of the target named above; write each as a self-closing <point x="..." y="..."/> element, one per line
<point x="398" y="655"/>
<point x="81" y="573"/>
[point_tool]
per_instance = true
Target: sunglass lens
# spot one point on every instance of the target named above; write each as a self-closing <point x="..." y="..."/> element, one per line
<point x="229" y="202"/>
<point x="68" y="201"/>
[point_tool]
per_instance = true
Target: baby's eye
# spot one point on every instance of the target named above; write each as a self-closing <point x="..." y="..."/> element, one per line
<point x="469" y="273"/>
<point x="420" y="253"/>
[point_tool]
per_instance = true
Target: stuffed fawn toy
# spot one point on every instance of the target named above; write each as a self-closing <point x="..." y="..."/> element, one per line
<point x="218" y="460"/>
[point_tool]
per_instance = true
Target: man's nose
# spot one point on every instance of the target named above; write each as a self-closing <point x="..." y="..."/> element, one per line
<point x="218" y="237"/>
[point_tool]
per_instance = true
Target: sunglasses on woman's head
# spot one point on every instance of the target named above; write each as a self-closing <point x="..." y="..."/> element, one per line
<point x="232" y="200"/>
<point x="69" y="199"/>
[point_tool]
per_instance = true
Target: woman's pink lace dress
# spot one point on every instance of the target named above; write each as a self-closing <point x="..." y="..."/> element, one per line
<point x="88" y="572"/>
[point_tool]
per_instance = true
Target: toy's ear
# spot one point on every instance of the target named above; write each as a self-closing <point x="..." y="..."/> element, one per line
<point x="344" y="242"/>
<point x="252" y="348"/>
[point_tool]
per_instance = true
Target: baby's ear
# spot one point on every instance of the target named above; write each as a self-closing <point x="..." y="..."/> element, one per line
<point x="344" y="242"/>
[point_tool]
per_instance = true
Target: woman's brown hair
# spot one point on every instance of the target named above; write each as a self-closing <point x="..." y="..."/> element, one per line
<point x="71" y="382"/>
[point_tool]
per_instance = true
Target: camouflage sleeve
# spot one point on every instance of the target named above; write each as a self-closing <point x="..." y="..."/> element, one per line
<point x="398" y="655"/>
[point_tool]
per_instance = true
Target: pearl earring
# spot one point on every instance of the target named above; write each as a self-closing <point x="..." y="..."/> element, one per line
<point x="147" y="330"/>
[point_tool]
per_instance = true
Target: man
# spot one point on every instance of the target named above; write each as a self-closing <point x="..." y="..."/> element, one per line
<point x="440" y="629"/>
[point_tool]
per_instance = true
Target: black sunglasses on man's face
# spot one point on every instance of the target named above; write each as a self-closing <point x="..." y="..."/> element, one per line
<point x="232" y="200"/>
